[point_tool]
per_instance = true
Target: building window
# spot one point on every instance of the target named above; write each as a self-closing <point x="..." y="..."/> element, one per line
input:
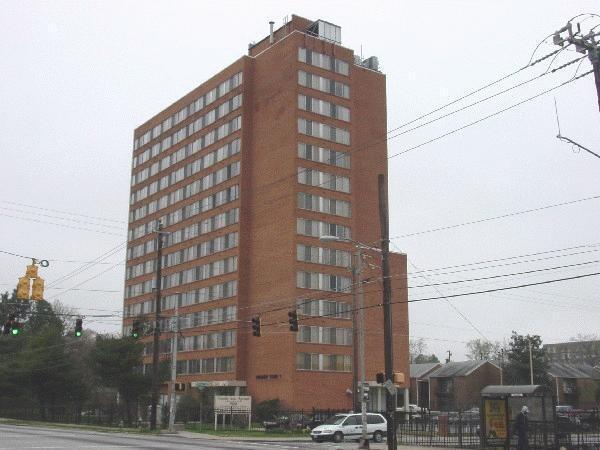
<point x="323" y="204"/>
<point x="322" y="255"/>
<point x="323" y="131"/>
<point x="313" y="81"/>
<point x="208" y="365"/>
<point x="317" y="228"/>
<point x="323" y="61"/>
<point x="323" y="363"/>
<point x="322" y="281"/>
<point x="325" y="180"/>
<point x="323" y="155"/>
<point x="324" y="335"/>
<point x="323" y="108"/>
<point x="327" y="308"/>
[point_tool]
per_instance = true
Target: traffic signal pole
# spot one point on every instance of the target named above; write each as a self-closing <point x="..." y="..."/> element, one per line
<point x="390" y="402"/>
<point x="155" y="352"/>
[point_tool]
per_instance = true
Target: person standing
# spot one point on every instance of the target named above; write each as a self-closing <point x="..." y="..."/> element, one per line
<point x="521" y="426"/>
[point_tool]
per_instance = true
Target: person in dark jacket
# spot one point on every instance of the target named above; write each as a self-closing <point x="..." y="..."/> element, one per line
<point x="521" y="426"/>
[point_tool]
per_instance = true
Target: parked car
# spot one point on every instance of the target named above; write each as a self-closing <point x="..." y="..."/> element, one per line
<point x="292" y="421"/>
<point x="342" y="426"/>
<point x="414" y="412"/>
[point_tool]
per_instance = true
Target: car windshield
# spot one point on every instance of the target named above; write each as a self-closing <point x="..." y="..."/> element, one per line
<point x="335" y="420"/>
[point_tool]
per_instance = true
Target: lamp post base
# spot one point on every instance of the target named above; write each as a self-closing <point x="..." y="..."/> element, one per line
<point x="363" y="443"/>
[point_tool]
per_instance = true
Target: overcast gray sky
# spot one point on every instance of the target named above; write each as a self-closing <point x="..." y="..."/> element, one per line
<point x="79" y="76"/>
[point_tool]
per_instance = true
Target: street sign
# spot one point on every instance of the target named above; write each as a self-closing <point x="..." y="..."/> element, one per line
<point x="236" y="403"/>
<point x="389" y="385"/>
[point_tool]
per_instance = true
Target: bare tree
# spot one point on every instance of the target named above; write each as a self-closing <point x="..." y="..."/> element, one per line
<point x="479" y="349"/>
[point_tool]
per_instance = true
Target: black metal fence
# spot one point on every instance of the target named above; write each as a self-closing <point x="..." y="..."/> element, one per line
<point x="433" y="429"/>
<point x="578" y="430"/>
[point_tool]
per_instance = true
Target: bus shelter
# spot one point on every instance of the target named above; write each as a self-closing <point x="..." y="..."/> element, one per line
<point x="500" y="406"/>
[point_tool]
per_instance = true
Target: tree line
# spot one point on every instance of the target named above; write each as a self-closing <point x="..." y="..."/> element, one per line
<point x="47" y="372"/>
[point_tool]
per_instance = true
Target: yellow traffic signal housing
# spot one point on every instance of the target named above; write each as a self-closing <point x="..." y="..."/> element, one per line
<point x="31" y="271"/>
<point x="399" y="378"/>
<point x="37" y="290"/>
<point x="23" y="288"/>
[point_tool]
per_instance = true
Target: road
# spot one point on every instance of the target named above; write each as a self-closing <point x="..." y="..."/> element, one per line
<point x="27" y="437"/>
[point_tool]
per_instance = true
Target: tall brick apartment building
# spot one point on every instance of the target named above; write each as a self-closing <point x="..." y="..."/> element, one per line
<point x="245" y="173"/>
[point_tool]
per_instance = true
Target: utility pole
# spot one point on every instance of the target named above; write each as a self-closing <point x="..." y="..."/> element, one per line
<point x="501" y="367"/>
<point x="173" y="396"/>
<point x="586" y="44"/>
<point x="530" y="363"/>
<point x="449" y="356"/>
<point x="364" y="442"/>
<point x="155" y="352"/>
<point x="387" y="312"/>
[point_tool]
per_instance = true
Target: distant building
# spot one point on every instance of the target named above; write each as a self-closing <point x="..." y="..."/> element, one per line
<point x="576" y="352"/>
<point x="419" y="383"/>
<point x="456" y="386"/>
<point x="577" y="385"/>
<point x="246" y="172"/>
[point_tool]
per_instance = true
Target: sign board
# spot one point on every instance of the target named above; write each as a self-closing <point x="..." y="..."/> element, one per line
<point x="495" y="419"/>
<point x="235" y="403"/>
<point x="390" y="387"/>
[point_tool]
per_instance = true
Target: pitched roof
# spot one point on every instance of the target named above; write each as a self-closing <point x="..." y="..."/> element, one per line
<point x="562" y="370"/>
<point x="420" y="370"/>
<point x="458" y="369"/>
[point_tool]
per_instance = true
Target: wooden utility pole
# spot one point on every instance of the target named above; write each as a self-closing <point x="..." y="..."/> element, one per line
<point x="390" y="400"/>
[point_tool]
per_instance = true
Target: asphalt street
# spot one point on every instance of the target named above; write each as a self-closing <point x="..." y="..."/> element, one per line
<point x="27" y="437"/>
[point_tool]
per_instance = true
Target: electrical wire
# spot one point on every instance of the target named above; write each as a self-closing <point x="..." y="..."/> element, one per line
<point x="62" y="211"/>
<point x="502" y="216"/>
<point x="482" y="119"/>
<point x="463" y="294"/>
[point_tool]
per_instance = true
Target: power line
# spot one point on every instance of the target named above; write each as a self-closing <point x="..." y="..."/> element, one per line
<point x="456" y="130"/>
<point x="85" y="222"/>
<point x="62" y="211"/>
<point x="60" y="225"/>
<point x="89" y="265"/>
<point x="464" y="294"/>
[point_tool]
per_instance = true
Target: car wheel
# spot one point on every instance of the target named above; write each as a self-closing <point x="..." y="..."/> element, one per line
<point x="338" y="437"/>
<point x="378" y="436"/>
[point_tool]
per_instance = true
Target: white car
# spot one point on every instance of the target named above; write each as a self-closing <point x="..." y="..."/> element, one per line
<point x="341" y="426"/>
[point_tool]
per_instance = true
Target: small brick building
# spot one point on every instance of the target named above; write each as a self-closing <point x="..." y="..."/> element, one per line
<point x="456" y="386"/>
<point x="419" y="383"/>
<point x="577" y="385"/>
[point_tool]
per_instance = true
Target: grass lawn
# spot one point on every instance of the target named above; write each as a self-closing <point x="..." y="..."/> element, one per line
<point x="76" y="426"/>
<point x="209" y="429"/>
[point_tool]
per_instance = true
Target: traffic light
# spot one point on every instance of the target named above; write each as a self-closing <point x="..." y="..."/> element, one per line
<point x="79" y="327"/>
<point x="365" y="392"/>
<point x="12" y="327"/>
<point x="380" y="378"/>
<point x="256" y="326"/>
<point x="293" y="320"/>
<point x="15" y="328"/>
<point x="37" y="289"/>
<point x="136" y="329"/>
<point x="6" y="327"/>
<point x="23" y="288"/>
<point x="31" y="271"/>
<point x="399" y="378"/>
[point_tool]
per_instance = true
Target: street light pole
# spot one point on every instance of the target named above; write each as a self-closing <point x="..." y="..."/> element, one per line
<point x="355" y="281"/>
<point x="357" y="329"/>
<point x="364" y="443"/>
<point x="174" y="344"/>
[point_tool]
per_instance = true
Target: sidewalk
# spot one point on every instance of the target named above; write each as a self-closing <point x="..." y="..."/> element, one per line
<point x="373" y="446"/>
